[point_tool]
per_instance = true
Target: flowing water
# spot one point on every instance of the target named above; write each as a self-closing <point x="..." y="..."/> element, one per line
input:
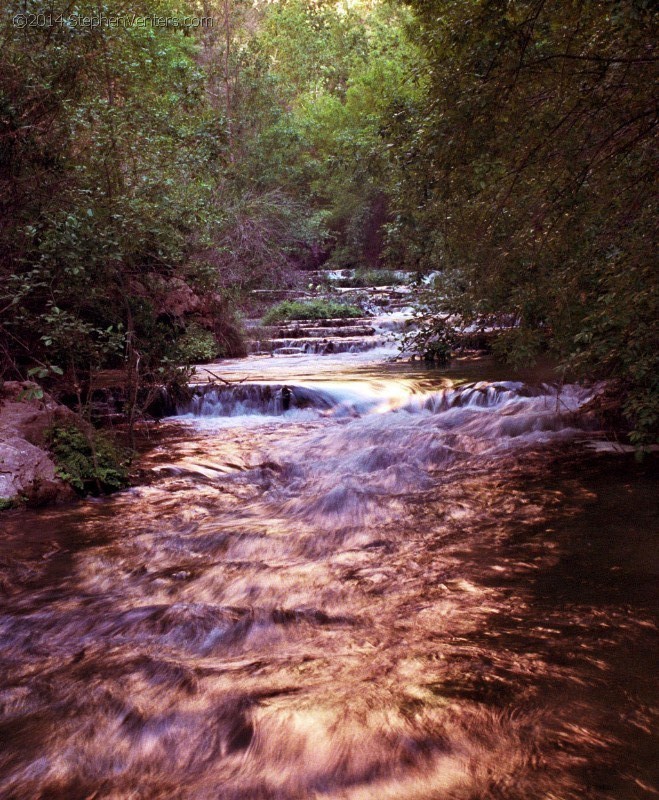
<point x="345" y="580"/>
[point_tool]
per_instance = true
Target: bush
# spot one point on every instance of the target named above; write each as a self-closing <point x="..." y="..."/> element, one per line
<point x="313" y="309"/>
<point x="197" y="346"/>
<point x="371" y="277"/>
<point x="433" y="341"/>
<point x="88" y="460"/>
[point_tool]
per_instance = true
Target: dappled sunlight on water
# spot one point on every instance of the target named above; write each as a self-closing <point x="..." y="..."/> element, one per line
<point x="390" y="590"/>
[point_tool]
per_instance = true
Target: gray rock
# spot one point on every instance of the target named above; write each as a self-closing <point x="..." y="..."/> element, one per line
<point x="27" y="471"/>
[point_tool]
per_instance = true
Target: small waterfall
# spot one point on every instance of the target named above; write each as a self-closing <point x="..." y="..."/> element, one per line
<point x="252" y="399"/>
<point x="518" y="406"/>
<point x="395" y="434"/>
<point x="481" y="395"/>
<point x="315" y="346"/>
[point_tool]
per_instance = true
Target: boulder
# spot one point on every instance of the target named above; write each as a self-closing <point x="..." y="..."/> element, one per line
<point x="27" y="471"/>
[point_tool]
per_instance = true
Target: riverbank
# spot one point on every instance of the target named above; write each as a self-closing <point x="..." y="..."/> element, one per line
<point x="28" y="473"/>
<point x="50" y="454"/>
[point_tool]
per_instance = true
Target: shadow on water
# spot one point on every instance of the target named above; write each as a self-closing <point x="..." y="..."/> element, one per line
<point x="607" y="580"/>
<point x="583" y="598"/>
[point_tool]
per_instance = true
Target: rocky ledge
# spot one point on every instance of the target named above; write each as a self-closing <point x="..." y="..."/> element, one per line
<point x="27" y="471"/>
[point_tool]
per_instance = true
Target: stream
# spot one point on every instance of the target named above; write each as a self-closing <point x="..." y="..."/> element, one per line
<point x="346" y="579"/>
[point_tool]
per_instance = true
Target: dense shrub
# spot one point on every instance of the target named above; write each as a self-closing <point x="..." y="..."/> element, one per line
<point x="312" y="309"/>
<point x="530" y="182"/>
<point x="371" y="277"/>
<point x="89" y="460"/>
<point x="197" y="346"/>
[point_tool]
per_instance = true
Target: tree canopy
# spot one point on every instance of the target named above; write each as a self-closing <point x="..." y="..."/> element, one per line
<point x="532" y="177"/>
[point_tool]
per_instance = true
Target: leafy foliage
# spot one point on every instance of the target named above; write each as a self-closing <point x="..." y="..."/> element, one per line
<point x="311" y="309"/>
<point x="340" y="70"/>
<point x="104" y="137"/>
<point x="89" y="460"/>
<point x="530" y="180"/>
<point x="371" y="277"/>
<point x="197" y="346"/>
<point x="432" y="337"/>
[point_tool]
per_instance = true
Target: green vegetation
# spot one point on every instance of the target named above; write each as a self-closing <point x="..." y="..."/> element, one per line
<point x="197" y="346"/>
<point x="530" y="182"/>
<point x="432" y="338"/>
<point x="6" y="503"/>
<point x="88" y="460"/>
<point x="311" y="309"/>
<point x="105" y="138"/>
<point x="371" y="277"/>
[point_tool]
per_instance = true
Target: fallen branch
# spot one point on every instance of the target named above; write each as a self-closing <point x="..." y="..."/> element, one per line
<point x="224" y="380"/>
